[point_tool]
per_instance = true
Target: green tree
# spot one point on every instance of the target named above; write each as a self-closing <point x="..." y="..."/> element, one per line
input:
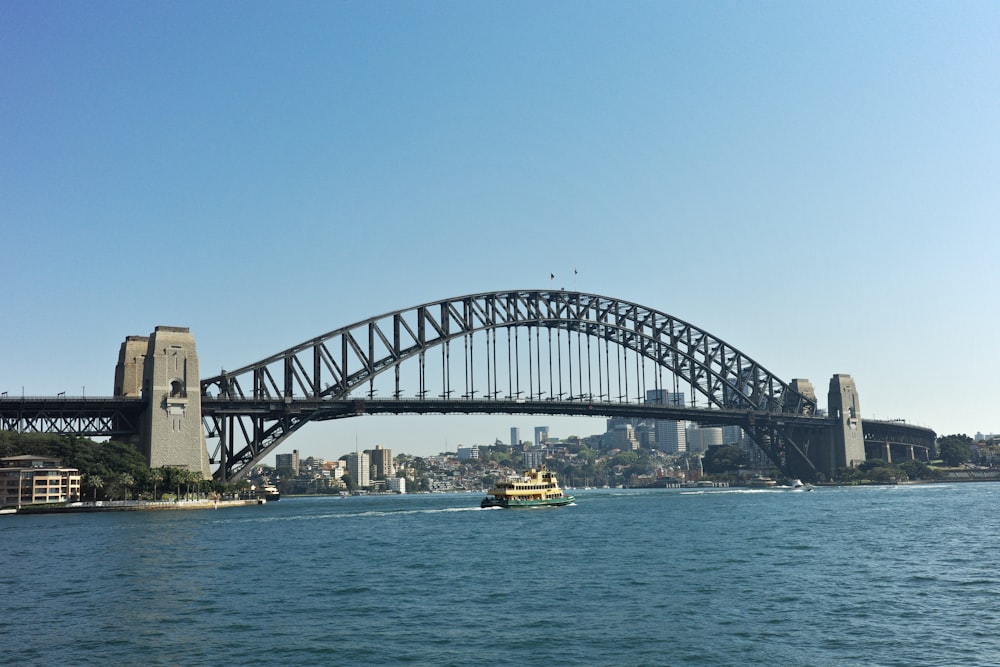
<point x="188" y="478"/>
<point x="155" y="477"/>
<point x="916" y="469"/>
<point x="349" y="482"/>
<point x="870" y="464"/>
<point x="848" y="475"/>
<point x="881" y="474"/>
<point x="175" y="478"/>
<point x="625" y="458"/>
<point x="94" y="482"/>
<point x="954" y="449"/>
<point x="127" y="482"/>
<point x="722" y="459"/>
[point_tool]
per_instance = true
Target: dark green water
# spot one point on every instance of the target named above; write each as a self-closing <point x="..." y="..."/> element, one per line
<point x="867" y="576"/>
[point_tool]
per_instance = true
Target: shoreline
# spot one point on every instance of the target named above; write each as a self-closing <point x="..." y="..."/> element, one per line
<point x="171" y="505"/>
<point x="129" y="506"/>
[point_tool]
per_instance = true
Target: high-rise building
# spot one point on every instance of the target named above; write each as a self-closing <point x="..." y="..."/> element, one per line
<point x="656" y="396"/>
<point x="670" y="434"/>
<point x="358" y="467"/>
<point x="541" y="435"/>
<point x="700" y="439"/>
<point x="288" y="461"/>
<point x="515" y="436"/>
<point x="732" y="435"/>
<point x="623" y="438"/>
<point x="670" y="437"/>
<point x="381" y="462"/>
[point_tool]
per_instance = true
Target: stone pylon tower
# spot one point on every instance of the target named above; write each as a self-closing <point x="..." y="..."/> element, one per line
<point x="131" y="366"/>
<point x="848" y="436"/>
<point x="840" y="446"/>
<point x="163" y="369"/>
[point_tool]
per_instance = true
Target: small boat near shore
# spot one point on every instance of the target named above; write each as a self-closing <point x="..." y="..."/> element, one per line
<point x="535" y="488"/>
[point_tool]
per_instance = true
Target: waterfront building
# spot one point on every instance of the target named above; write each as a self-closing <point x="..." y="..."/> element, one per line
<point x="288" y="461"/>
<point x="397" y="484"/>
<point x="358" y="466"/>
<point x="29" y="479"/>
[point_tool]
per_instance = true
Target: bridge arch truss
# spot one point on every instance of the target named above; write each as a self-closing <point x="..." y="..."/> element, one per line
<point x="533" y="350"/>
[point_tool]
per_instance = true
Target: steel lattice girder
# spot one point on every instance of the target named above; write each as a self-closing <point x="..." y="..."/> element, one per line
<point x="340" y="361"/>
<point x="91" y="417"/>
<point x="333" y="365"/>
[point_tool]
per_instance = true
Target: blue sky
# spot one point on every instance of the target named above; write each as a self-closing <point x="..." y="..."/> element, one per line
<point x="815" y="183"/>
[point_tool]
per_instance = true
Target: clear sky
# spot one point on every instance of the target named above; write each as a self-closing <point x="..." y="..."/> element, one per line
<point x="815" y="183"/>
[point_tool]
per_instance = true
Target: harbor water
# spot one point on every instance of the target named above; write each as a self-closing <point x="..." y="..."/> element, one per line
<point x="890" y="575"/>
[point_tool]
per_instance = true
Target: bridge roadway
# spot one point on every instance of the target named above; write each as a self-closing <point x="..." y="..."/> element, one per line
<point x="115" y="416"/>
<point x="325" y="409"/>
<point x="91" y="416"/>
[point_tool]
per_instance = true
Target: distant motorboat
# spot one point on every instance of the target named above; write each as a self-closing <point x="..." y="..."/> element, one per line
<point x="797" y="485"/>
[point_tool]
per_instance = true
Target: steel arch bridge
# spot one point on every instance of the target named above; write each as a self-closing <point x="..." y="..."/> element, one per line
<point x="533" y="352"/>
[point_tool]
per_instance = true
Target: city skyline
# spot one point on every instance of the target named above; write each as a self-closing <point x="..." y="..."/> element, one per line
<point x="813" y="184"/>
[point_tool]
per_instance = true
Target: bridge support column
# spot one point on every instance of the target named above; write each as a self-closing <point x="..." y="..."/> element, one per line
<point x="886" y="452"/>
<point x="844" y="444"/>
<point x="848" y="438"/>
<point x="172" y="433"/>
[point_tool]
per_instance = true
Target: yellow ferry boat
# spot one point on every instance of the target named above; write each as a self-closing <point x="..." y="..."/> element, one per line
<point x="536" y="488"/>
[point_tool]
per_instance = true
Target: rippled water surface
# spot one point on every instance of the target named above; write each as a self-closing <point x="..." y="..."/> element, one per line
<point x="840" y="576"/>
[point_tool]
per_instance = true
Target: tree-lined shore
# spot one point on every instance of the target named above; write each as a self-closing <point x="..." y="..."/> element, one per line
<point x="113" y="470"/>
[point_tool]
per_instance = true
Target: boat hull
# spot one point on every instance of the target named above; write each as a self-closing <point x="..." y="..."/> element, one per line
<point x="512" y="503"/>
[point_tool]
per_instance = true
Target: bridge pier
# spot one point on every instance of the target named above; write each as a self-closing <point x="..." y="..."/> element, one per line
<point x="847" y="438"/>
<point x="843" y="444"/>
<point x="886" y="452"/>
<point x="163" y="369"/>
